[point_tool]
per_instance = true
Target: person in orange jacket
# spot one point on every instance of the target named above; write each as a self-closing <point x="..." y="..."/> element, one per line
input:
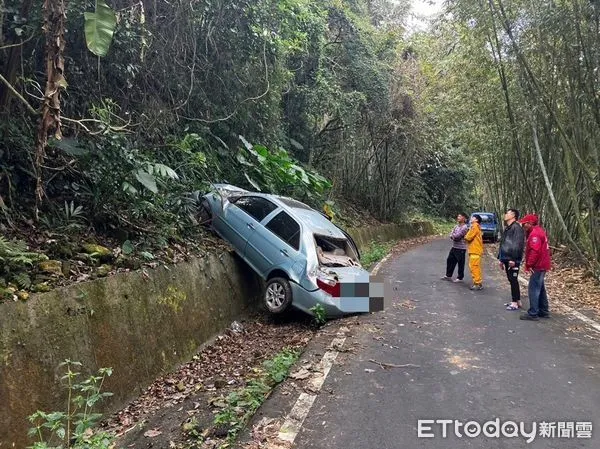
<point x="475" y="240"/>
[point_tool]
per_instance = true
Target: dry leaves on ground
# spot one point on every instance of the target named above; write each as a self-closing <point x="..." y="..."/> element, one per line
<point x="224" y="363"/>
<point x="570" y="281"/>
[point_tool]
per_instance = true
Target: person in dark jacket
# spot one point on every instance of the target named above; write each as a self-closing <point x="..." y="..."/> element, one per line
<point x="458" y="250"/>
<point x="510" y="255"/>
<point x="538" y="261"/>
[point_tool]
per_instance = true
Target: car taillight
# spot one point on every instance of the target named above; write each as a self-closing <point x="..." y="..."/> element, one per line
<point x="328" y="284"/>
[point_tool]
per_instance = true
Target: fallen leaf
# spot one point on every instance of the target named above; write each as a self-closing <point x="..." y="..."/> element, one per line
<point x="218" y="402"/>
<point x="301" y="374"/>
<point x="153" y="433"/>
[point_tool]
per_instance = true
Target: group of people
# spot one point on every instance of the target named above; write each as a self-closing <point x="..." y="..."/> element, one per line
<point x="522" y="239"/>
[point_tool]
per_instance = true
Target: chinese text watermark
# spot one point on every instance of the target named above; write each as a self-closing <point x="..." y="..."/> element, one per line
<point x="436" y="428"/>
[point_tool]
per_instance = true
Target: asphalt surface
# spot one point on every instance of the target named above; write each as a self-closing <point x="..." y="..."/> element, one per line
<point x="475" y="362"/>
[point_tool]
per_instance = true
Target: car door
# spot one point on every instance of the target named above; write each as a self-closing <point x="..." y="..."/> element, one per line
<point x="241" y="216"/>
<point x="274" y="245"/>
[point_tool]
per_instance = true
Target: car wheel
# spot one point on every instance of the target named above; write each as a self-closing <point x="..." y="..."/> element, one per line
<point x="278" y="295"/>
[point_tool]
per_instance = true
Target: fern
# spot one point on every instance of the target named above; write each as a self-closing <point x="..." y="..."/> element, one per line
<point x="22" y="280"/>
<point x="15" y="254"/>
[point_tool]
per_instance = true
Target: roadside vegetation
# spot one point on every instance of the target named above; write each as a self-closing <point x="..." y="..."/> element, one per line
<point x="241" y="405"/>
<point x="315" y="100"/>
<point x="375" y="252"/>
<point x="73" y="428"/>
<point x="513" y="86"/>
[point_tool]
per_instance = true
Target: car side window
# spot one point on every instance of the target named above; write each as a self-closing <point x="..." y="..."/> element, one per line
<point x="286" y="228"/>
<point x="255" y="206"/>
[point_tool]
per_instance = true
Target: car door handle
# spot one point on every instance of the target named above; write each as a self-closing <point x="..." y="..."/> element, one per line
<point x="284" y="252"/>
<point x="250" y="225"/>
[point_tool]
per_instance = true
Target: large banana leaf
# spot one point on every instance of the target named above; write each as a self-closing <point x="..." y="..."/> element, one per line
<point x="99" y="28"/>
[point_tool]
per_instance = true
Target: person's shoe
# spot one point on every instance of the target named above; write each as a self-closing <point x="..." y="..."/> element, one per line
<point x="446" y="278"/>
<point x="457" y="280"/>
<point x="545" y="315"/>
<point x="527" y="317"/>
<point x="477" y="287"/>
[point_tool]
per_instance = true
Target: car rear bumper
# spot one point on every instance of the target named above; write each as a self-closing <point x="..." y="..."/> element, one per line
<point x="334" y="307"/>
<point x="489" y="234"/>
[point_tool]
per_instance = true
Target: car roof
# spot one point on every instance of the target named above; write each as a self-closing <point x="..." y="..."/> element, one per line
<point x="312" y="219"/>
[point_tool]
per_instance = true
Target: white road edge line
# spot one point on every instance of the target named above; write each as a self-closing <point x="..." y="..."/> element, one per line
<point x="562" y="307"/>
<point x="568" y="310"/>
<point x="376" y="268"/>
<point x="293" y="423"/>
<point x="295" y="419"/>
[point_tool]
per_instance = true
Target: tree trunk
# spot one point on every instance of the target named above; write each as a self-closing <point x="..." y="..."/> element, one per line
<point x="551" y="192"/>
<point x="12" y="65"/>
<point x="54" y="30"/>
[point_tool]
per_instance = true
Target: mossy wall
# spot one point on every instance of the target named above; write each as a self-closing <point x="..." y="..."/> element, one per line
<point x="392" y="231"/>
<point x="140" y="324"/>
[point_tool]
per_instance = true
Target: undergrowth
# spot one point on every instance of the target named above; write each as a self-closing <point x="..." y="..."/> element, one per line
<point x="15" y="260"/>
<point x="73" y="428"/>
<point x="375" y="252"/>
<point x="320" y="316"/>
<point x="242" y="404"/>
<point x="441" y="226"/>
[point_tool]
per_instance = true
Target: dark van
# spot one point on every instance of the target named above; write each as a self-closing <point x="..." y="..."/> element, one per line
<point x="489" y="226"/>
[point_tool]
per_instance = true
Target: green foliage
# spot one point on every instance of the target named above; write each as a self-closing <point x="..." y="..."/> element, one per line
<point x="375" y="252"/>
<point x="327" y="80"/>
<point x="441" y="226"/>
<point x="99" y="28"/>
<point x="66" y="219"/>
<point x="16" y="260"/>
<point x="278" y="367"/>
<point x="448" y="182"/>
<point x="242" y="404"/>
<point x="22" y="280"/>
<point x="277" y="172"/>
<point x="121" y="185"/>
<point x="74" y="427"/>
<point x="320" y="316"/>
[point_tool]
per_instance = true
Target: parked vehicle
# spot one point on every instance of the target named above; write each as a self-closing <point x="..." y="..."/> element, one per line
<point x="489" y="226"/>
<point x="304" y="258"/>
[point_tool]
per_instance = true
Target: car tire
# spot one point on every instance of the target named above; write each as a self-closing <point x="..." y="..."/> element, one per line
<point x="277" y="297"/>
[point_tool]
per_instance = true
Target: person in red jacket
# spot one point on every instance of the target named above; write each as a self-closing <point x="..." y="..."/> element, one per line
<point x="537" y="262"/>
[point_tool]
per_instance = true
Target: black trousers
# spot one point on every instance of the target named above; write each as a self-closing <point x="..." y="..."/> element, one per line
<point x="456" y="256"/>
<point x="513" y="278"/>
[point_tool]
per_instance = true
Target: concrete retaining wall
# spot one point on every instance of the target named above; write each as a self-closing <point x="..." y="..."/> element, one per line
<point x="387" y="232"/>
<point x="141" y="325"/>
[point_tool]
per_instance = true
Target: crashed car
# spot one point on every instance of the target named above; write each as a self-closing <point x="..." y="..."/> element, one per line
<point x="304" y="258"/>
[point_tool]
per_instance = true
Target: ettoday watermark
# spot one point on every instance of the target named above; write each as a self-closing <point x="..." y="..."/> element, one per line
<point x="436" y="428"/>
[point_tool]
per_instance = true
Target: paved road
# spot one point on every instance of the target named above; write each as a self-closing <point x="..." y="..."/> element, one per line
<point x="476" y="362"/>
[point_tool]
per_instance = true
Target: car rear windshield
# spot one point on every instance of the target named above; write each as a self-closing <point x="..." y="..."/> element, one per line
<point x="293" y="203"/>
<point x="487" y="218"/>
<point x="333" y="252"/>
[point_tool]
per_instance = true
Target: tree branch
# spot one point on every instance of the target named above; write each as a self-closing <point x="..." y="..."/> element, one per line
<point x="19" y="96"/>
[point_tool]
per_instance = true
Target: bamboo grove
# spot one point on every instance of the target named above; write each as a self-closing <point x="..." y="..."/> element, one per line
<point x="516" y="83"/>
